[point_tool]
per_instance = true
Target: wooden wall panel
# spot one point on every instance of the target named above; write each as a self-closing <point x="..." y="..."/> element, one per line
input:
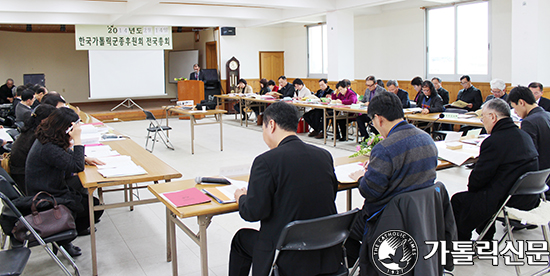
<point x="359" y="87"/>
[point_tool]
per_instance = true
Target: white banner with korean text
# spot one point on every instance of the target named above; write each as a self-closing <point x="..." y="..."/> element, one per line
<point x="114" y="37"/>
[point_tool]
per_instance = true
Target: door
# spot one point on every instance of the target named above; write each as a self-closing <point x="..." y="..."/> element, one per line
<point x="211" y="55"/>
<point x="272" y="65"/>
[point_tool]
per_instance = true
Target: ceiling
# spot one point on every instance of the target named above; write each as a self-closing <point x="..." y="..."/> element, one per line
<point x="189" y="13"/>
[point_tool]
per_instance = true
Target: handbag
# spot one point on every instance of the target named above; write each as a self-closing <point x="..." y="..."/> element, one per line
<point x="46" y="223"/>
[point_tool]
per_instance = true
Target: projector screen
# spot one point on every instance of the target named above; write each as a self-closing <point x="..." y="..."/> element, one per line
<point x="126" y="74"/>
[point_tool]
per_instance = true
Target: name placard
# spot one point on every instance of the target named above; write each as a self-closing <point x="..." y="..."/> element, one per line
<point x="116" y="37"/>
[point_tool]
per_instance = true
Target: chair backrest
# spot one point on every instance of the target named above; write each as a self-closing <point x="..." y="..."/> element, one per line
<point x="7" y="187"/>
<point x="149" y="115"/>
<point x="531" y="183"/>
<point x="318" y="233"/>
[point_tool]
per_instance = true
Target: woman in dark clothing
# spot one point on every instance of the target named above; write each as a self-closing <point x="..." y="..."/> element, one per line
<point x="263" y="87"/>
<point x="52" y="164"/>
<point x="23" y="143"/>
<point x="429" y="100"/>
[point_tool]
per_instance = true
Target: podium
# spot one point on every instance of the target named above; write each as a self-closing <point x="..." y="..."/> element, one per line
<point x="191" y="90"/>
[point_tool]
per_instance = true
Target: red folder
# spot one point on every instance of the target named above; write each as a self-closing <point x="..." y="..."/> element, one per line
<point x="186" y="197"/>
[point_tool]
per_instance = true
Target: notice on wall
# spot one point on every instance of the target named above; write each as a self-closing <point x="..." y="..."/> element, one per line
<point x="116" y="37"/>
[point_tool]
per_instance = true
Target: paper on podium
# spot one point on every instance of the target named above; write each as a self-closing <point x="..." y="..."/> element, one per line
<point x="343" y="171"/>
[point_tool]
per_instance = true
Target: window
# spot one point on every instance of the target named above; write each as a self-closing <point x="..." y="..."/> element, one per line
<point x="317" y="51"/>
<point x="458" y="41"/>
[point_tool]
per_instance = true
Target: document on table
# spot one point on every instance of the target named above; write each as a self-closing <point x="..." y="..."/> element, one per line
<point x="226" y="193"/>
<point x="121" y="165"/>
<point x="343" y="172"/>
<point x="99" y="150"/>
<point x="191" y="196"/>
<point x="5" y="136"/>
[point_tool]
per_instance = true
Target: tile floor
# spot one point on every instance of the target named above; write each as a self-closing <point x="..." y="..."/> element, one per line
<point x="133" y="242"/>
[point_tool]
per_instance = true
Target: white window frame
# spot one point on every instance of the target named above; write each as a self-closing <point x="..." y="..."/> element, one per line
<point x="323" y="61"/>
<point x="456" y="76"/>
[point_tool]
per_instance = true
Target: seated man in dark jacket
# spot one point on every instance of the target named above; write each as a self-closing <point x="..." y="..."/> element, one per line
<point x="496" y="171"/>
<point x="292" y="181"/>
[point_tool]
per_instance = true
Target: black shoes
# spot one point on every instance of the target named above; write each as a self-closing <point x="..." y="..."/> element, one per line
<point x="85" y="232"/>
<point x="73" y="250"/>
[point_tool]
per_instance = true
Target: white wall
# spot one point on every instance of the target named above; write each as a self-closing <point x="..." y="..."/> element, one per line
<point x="390" y="45"/>
<point x="543" y="67"/>
<point x="295" y="47"/>
<point x="246" y="45"/>
<point x="501" y="41"/>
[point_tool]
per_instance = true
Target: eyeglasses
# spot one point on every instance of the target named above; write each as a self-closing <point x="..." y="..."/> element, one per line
<point x="483" y="115"/>
<point x="463" y="83"/>
<point x="370" y="85"/>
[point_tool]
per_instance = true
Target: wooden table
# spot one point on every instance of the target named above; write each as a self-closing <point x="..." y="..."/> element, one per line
<point x="92" y="180"/>
<point x="192" y="113"/>
<point x="221" y="99"/>
<point x="434" y="117"/>
<point x="206" y="211"/>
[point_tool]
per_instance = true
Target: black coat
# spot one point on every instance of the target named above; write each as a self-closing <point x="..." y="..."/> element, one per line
<point x="426" y="215"/>
<point x="537" y="125"/>
<point x="293" y="181"/>
<point x="471" y="95"/>
<point x="46" y="169"/>
<point x="287" y="91"/>
<point x="193" y="77"/>
<point x="544" y="103"/>
<point x="444" y="94"/>
<point x="504" y="156"/>
<point x="436" y="103"/>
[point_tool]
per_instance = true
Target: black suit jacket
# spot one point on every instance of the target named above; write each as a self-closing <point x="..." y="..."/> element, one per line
<point x="436" y="103"/>
<point x="544" y="103"/>
<point x="287" y="91"/>
<point x="500" y="165"/>
<point x="471" y="95"/>
<point x="537" y="125"/>
<point x="293" y="181"/>
<point x="192" y="76"/>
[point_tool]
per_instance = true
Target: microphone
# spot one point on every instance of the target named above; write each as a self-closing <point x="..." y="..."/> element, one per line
<point x="213" y="180"/>
<point x="441" y="115"/>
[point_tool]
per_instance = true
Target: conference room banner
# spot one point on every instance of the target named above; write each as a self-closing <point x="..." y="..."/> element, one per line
<point x="116" y="37"/>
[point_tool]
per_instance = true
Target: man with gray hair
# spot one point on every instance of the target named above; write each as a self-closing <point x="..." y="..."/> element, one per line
<point x="393" y="87"/>
<point x="496" y="171"/>
<point x="498" y="90"/>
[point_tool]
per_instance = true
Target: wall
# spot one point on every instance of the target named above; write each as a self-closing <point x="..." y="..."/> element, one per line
<point x="54" y="55"/>
<point x="501" y="40"/>
<point x="65" y="68"/>
<point x="246" y="45"/>
<point x="390" y="45"/>
<point x="295" y="47"/>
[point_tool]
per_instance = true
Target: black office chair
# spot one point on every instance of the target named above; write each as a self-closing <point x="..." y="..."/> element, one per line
<point x="316" y="234"/>
<point x="158" y="129"/>
<point x="14" y="260"/>
<point x="531" y="183"/>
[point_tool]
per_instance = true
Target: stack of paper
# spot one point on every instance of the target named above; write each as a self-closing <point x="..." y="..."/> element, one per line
<point x="99" y="150"/>
<point x="226" y="194"/>
<point x="343" y="171"/>
<point x="121" y="165"/>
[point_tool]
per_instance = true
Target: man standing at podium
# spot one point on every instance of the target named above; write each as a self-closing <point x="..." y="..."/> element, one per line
<point x="197" y="74"/>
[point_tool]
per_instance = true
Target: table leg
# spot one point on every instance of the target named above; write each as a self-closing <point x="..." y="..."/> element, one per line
<point x="203" y="221"/>
<point x="348" y="201"/>
<point x="131" y="192"/>
<point x="173" y="247"/>
<point x="167" y="131"/>
<point x="325" y="125"/>
<point x="168" y="235"/>
<point x="334" y="130"/>
<point x="241" y="110"/>
<point x="192" y="134"/>
<point x="221" y="131"/>
<point x="92" y="230"/>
